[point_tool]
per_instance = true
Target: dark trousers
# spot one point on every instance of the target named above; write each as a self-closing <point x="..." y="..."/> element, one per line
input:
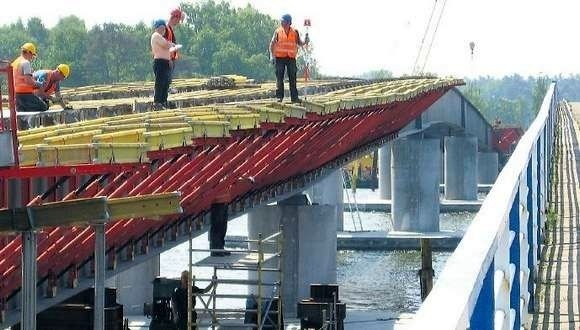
<point x="218" y="226"/>
<point x="171" y="70"/>
<point x="162" y="72"/>
<point x="30" y="102"/>
<point x="283" y="64"/>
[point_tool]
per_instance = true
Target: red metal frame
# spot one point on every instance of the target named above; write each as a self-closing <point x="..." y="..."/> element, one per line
<point x="6" y="68"/>
<point x="204" y="175"/>
<point x="70" y="170"/>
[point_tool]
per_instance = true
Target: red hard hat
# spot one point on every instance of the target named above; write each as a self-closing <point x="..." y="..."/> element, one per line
<point x="177" y="13"/>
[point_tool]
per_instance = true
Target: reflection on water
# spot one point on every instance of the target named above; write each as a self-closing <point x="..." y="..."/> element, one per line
<point x="382" y="280"/>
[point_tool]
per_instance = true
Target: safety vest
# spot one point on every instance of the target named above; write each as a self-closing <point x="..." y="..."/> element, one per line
<point x="50" y="85"/>
<point x="20" y="85"/>
<point x="170" y="36"/>
<point x="286" y="44"/>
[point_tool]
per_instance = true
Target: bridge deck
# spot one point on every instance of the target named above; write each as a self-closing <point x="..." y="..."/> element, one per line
<point x="558" y="297"/>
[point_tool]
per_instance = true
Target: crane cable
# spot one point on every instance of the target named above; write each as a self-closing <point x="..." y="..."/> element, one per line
<point x="424" y="36"/>
<point x="433" y="37"/>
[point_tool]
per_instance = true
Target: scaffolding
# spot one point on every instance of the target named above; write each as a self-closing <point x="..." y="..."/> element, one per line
<point x="262" y="259"/>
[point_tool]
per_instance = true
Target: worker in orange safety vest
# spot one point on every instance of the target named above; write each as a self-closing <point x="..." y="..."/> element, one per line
<point x="49" y="81"/>
<point x="24" y="83"/>
<point x="175" y="18"/>
<point x="283" y="51"/>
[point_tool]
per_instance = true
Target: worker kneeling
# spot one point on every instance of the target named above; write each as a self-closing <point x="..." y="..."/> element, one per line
<point x="48" y="85"/>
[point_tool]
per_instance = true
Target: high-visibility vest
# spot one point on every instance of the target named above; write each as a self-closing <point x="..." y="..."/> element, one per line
<point x="20" y="84"/>
<point x="50" y="85"/>
<point x="286" y="45"/>
<point x="170" y="36"/>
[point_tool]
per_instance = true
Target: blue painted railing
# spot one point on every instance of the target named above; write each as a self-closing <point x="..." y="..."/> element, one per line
<point x="489" y="281"/>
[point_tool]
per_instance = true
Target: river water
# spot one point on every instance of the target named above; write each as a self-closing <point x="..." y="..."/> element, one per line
<point x="384" y="281"/>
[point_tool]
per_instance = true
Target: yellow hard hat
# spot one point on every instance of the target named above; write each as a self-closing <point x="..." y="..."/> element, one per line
<point x="29" y="47"/>
<point x="64" y="69"/>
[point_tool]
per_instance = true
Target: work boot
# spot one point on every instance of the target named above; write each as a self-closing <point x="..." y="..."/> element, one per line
<point x="158" y="107"/>
<point x="296" y="101"/>
<point x="280" y="100"/>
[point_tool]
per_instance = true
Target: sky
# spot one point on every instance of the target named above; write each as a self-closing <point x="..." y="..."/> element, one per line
<point x="528" y="37"/>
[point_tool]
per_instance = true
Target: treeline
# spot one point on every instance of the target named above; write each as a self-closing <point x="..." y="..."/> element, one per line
<point x="515" y="100"/>
<point x="217" y="38"/>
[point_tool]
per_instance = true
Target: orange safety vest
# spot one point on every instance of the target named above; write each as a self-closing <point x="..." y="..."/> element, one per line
<point x="170" y="36"/>
<point x="20" y="85"/>
<point x="286" y="44"/>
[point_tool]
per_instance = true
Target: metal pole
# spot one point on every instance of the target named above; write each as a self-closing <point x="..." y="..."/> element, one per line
<point x="28" y="318"/>
<point x="260" y="260"/>
<point x="99" y="228"/>
<point x="189" y="276"/>
<point x="426" y="272"/>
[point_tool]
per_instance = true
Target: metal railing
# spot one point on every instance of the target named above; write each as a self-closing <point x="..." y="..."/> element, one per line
<point x="488" y="282"/>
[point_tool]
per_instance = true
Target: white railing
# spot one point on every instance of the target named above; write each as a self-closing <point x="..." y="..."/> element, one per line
<point x="488" y="282"/>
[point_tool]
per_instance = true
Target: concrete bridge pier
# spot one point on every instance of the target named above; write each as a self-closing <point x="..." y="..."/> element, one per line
<point x="135" y="286"/>
<point x="415" y="171"/>
<point x="460" y="168"/>
<point x="309" y="249"/>
<point x="384" y="165"/>
<point x="329" y="191"/>
<point x="487" y="167"/>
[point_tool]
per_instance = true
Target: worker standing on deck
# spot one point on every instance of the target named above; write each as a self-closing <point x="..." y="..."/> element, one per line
<point x="175" y="18"/>
<point x="24" y="83"/>
<point x="161" y="64"/>
<point x="283" y="51"/>
<point x="49" y="81"/>
<point x="179" y="301"/>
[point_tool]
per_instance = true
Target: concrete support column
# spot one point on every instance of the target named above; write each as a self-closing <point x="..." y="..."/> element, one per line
<point x="309" y="250"/>
<point x="134" y="286"/>
<point x="460" y="168"/>
<point x="487" y="167"/>
<point x="329" y="191"/>
<point x="415" y="170"/>
<point x="384" y="165"/>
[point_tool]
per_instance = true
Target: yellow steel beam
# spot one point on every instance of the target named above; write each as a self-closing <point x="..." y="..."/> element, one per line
<point x="87" y="210"/>
<point x="67" y="213"/>
<point x="145" y="206"/>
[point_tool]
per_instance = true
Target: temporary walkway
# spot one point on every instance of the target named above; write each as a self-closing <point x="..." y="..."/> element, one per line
<point x="558" y="296"/>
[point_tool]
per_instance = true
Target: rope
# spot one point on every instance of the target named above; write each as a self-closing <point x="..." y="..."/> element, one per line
<point x="433" y="37"/>
<point x="424" y="36"/>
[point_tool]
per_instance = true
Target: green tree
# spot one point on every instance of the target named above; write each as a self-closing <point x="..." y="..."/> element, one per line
<point x="67" y="43"/>
<point x="540" y="89"/>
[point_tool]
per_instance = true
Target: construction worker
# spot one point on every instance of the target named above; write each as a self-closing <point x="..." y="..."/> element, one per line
<point x="175" y="18"/>
<point x="24" y="83"/>
<point x="49" y="81"/>
<point x="283" y="51"/>
<point x="161" y="64"/>
<point x="179" y="301"/>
